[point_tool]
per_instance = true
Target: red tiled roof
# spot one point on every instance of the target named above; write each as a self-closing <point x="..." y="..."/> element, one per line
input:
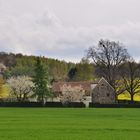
<point x="85" y="85"/>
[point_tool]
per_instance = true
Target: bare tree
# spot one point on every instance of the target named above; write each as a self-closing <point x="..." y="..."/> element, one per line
<point x="107" y="56"/>
<point x="21" y="87"/>
<point x="71" y="94"/>
<point x="130" y="73"/>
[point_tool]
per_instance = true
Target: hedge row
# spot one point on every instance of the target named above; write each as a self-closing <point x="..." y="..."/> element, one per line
<point x="93" y="105"/>
<point x="73" y="105"/>
<point x="128" y="102"/>
<point x="59" y="104"/>
<point x="20" y="104"/>
<point x="38" y="104"/>
<point x="53" y="104"/>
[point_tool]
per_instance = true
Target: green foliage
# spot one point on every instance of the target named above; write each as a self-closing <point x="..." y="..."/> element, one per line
<point x="72" y="73"/>
<point x="41" y="81"/>
<point x="83" y="71"/>
<point x="58" y="70"/>
<point x="25" y="65"/>
<point x="1" y="86"/>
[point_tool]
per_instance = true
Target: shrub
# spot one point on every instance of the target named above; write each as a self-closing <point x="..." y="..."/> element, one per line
<point x="71" y="94"/>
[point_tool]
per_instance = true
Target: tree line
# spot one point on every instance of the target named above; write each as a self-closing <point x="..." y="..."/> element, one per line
<point x="31" y="77"/>
<point x="19" y="65"/>
<point x="107" y="59"/>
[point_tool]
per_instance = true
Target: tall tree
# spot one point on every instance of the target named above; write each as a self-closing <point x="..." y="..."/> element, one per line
<point x="107" y="56"/>
<point x="130" y="73"/>
<point x="41" y="81"/>
<point x="72" y="73"/>
<point x="85" y="71"/>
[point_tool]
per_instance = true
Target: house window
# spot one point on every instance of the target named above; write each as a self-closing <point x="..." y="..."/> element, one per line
<point x="107" y="94"/>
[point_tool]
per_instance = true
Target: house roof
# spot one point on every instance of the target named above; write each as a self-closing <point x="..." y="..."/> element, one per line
<point x="105" y="81"/>
<point x="85" y="85"/>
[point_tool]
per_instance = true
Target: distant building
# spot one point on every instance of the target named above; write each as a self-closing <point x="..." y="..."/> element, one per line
<point x="103" y="92"/>
<point x="86" y="86"/>
<point x="96" y="92"/>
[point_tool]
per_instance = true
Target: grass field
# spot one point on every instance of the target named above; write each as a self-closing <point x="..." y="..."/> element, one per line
<point x="69" y="124"/>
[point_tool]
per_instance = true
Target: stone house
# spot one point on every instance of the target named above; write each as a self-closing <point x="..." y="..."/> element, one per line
<point x="86" y="86"/>
<point x="96" y="92"/>
<point x="103" y="92"/>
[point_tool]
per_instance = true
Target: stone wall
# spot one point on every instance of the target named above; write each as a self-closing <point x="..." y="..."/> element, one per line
<point x="103" y="93"/>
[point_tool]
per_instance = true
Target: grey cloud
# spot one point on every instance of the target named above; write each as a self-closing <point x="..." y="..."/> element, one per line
<point x="38" y="31"/>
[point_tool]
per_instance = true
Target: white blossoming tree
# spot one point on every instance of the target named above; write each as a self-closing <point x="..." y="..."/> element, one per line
<point x="71" y="94"/>
<point x="21" y="88"/>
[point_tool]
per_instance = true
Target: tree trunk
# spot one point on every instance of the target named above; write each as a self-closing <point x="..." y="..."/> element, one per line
<point x="42" y="100"/>
<point x="132" y="98"/>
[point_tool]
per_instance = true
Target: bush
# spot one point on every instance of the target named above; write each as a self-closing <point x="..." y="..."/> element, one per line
<point x="21" y="104"/>
<point x="75" y="105"/>
<point x="71" y="94"/>
<point x="128" y="102"/>
<point x="122" y="105"/>
<point x="53" y="104"/>
<point x="39" y="104"/>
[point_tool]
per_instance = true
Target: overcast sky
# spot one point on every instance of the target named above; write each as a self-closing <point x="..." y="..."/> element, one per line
<point x="64" y="29"/>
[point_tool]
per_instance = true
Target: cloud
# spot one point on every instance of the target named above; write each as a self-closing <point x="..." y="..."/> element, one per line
<point x="45" y="34"/>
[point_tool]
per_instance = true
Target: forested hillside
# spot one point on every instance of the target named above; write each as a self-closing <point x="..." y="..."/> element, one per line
<point x="18" y="64"/>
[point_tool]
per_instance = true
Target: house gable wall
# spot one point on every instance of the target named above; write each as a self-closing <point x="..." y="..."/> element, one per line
<point x="103" y="93"/>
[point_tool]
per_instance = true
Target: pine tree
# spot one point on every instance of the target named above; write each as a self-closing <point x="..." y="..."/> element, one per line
<point x="41" y="81"/>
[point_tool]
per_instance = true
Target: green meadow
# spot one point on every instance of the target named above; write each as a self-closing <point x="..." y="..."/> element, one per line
<point x="69" y="124"/>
